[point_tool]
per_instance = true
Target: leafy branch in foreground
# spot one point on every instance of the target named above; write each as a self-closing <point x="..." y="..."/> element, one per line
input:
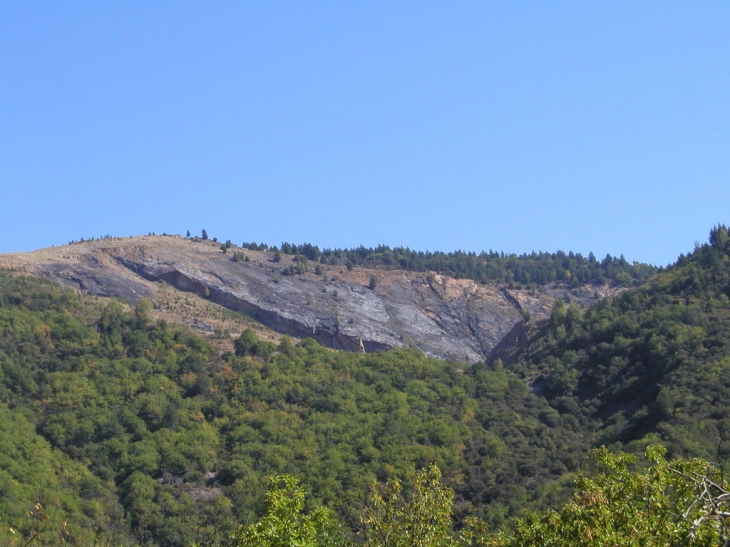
<point x="679" y="503"/>
<point x="286" y="525"/>
<point x="683" y="503"/>
<point x="421" y="520"/>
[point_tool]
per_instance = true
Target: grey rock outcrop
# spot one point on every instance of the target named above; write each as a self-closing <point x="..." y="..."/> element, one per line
<point x="443" y="317"/>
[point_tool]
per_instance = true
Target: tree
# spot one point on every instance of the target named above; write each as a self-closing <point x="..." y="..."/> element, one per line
<point x="373" y="282"/>
<point x="286" y="525"/>
<point x="187" y="234"/>
<point x="719" y="237"/>
<point x="557" y="316"/>
<point x="250" y="344"/>
<point x="422" y="519"/>
<point x="143" y="312"/>
<point x="204" y="235"/>
<point x="681" y="502"/>
<point x="302" y="265"/>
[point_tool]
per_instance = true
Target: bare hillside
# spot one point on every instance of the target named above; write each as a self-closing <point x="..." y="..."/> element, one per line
<point x="195" y="282"/>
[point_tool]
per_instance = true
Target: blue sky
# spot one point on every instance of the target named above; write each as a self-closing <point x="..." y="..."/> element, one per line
<point x="513" y="126"/>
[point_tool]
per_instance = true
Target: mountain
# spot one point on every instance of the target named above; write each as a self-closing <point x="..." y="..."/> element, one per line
<point x="145" y="433"/>
<point x="355" y="309"/>
<point x="122" y="422"/>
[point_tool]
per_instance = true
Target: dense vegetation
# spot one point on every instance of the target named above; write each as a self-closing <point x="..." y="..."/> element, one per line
<point x="653" y="361"/>
<point x="534" y="268"/>
<point x="670" y="503"/>
<point x="118" y="428"/>
<point x="150" y="434"/>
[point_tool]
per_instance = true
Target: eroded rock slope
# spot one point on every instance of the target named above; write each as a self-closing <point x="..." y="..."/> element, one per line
<point x="444" y="317"/>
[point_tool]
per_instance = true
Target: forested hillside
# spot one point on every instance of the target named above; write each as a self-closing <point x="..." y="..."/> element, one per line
<point x="148" y="433"/>
<point x="651" y="362"/>
<point x="119" y="428"/>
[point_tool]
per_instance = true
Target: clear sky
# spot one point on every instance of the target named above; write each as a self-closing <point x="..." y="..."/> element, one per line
<point x="505" y="125"/>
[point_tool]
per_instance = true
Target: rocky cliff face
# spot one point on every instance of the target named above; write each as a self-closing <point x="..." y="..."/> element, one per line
<point x="444" y="317"/>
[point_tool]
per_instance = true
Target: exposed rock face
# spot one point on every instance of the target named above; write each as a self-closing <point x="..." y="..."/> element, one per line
<point x="443" y="317"/>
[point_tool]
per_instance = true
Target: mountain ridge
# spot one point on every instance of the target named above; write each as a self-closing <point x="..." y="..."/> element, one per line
<point x="350" y="308"/>
<point x="179" y="432"/>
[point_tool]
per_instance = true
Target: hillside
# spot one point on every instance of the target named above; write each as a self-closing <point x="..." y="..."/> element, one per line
<point x="653" y="362"/>
<point x="167" y="439"/>
<point x="137" y="430"/>
<point x="354" y="309"/>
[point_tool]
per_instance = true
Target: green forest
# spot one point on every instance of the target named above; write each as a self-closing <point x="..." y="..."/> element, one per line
<point x="492" y="266"/>
<point x="653" y="362"/>
<point x="119" y="429"/>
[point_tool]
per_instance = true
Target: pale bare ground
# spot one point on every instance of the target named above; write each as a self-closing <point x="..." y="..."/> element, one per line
<point x="216" y="322"/>
<point x="172" y="305"/>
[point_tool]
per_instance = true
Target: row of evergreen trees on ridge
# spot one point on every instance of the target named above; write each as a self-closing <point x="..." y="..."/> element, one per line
<point x="536" y="268"/>
<point x="533" y="268"/>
